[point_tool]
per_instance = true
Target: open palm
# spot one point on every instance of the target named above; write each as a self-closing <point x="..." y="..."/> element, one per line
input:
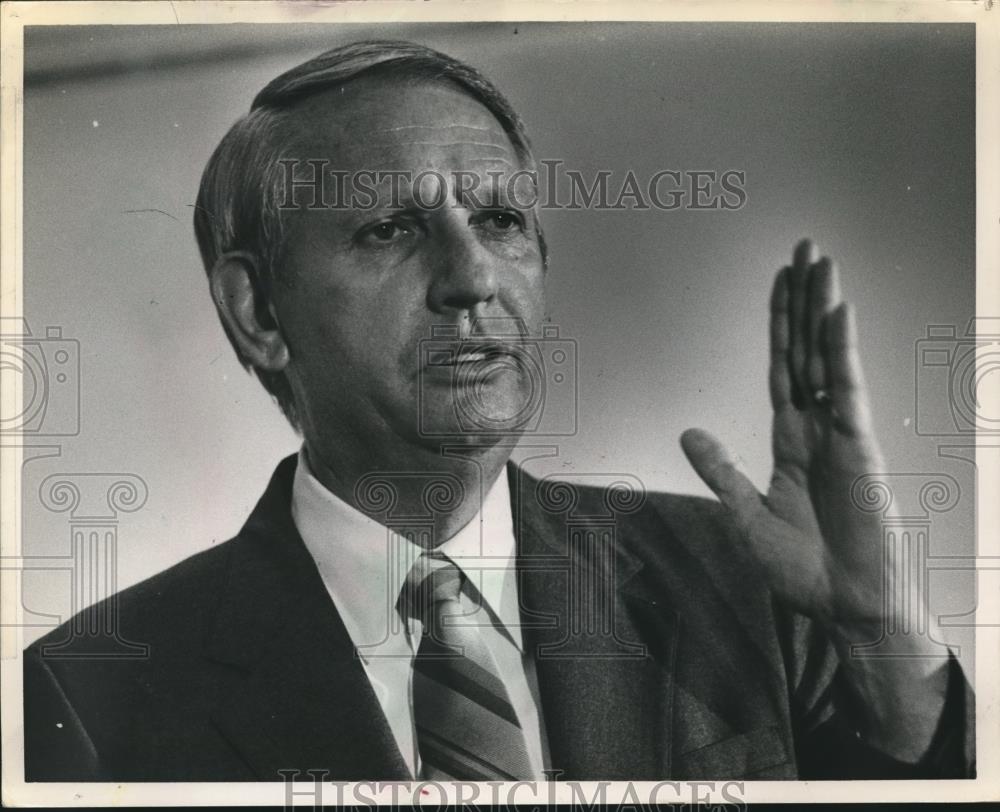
<point x="821" y="553"/>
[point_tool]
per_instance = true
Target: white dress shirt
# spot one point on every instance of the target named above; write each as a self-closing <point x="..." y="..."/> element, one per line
<point x="364" y="566"/>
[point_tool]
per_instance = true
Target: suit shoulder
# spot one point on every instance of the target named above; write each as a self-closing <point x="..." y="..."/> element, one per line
<point x="171" y="600"/>
<point x="654" y="524"/>
<point x="704" y="528"/>
<point x="677" y="533"/>
<point x="686" y="513"/>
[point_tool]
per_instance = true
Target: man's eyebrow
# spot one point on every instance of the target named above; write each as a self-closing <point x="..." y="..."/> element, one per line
<point x="500" y="147"/>
<point x="432" y="127"/>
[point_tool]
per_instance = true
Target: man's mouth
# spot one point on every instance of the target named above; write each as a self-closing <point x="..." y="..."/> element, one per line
<point x="477" y="353"/>
<point x="470" y="357"/>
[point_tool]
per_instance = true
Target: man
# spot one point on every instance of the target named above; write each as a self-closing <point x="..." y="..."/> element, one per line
<point x="405" y="603"/>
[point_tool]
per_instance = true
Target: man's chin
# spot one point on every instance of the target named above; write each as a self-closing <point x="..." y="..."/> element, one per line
<point x="471" y="441"/>
<point x="482" y="421"/>
<point x="452" y="434"/>
<point x="472" y="430"/>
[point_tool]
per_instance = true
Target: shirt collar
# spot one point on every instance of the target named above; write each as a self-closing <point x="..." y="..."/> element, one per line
<point x="364" y="564"/>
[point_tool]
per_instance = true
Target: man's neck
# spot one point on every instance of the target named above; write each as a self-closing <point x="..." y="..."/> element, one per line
<point x="440" y="490"/>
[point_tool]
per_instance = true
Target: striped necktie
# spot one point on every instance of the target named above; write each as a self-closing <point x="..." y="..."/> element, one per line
<point x="467" y="728"/>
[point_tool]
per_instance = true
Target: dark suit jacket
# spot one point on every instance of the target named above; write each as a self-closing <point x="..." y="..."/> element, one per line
<point x="659" y="655"/>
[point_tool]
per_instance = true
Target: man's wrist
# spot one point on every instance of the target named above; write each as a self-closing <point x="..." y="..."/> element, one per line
<point x="898" y="696"/>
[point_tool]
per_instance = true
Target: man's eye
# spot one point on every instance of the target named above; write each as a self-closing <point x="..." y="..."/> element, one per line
<point x="385" y="233"/>
<point x="502" y="220"/>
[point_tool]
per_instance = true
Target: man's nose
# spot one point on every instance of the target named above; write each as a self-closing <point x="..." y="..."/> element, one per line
<point x="465" y="274"/>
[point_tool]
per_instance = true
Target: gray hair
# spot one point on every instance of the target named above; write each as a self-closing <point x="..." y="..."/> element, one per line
<point x="237" y="205"/>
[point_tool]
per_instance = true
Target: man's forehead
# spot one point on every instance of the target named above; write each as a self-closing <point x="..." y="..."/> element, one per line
<point x="376" y="122"/>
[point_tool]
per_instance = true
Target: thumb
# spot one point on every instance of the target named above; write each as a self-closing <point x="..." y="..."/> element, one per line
<point x="717" y="468"/>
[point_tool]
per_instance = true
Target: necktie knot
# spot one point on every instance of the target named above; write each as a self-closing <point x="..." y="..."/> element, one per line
<point x="433" y="580"/>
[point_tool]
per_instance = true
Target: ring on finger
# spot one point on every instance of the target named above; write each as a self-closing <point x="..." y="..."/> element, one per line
<point x="822" y="398"/>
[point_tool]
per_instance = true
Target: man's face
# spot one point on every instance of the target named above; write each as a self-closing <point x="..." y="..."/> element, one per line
<point x="360" y="286"/>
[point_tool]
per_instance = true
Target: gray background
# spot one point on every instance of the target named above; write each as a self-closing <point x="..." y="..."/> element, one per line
<point x="860" y="136"/>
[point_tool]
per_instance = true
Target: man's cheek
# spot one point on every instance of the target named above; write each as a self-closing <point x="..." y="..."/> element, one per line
<point x="524" y="293"/>
<point x="532" y="310"/>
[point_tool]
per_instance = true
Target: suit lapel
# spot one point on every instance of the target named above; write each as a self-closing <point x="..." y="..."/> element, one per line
<point x="295" y="696"/>
<point x="604" y="651"/>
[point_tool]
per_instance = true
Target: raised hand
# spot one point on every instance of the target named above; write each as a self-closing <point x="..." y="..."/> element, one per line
<point x="820" y="552"/>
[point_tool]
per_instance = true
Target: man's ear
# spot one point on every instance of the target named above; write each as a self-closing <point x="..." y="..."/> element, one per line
<point x="248" y="318"/>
